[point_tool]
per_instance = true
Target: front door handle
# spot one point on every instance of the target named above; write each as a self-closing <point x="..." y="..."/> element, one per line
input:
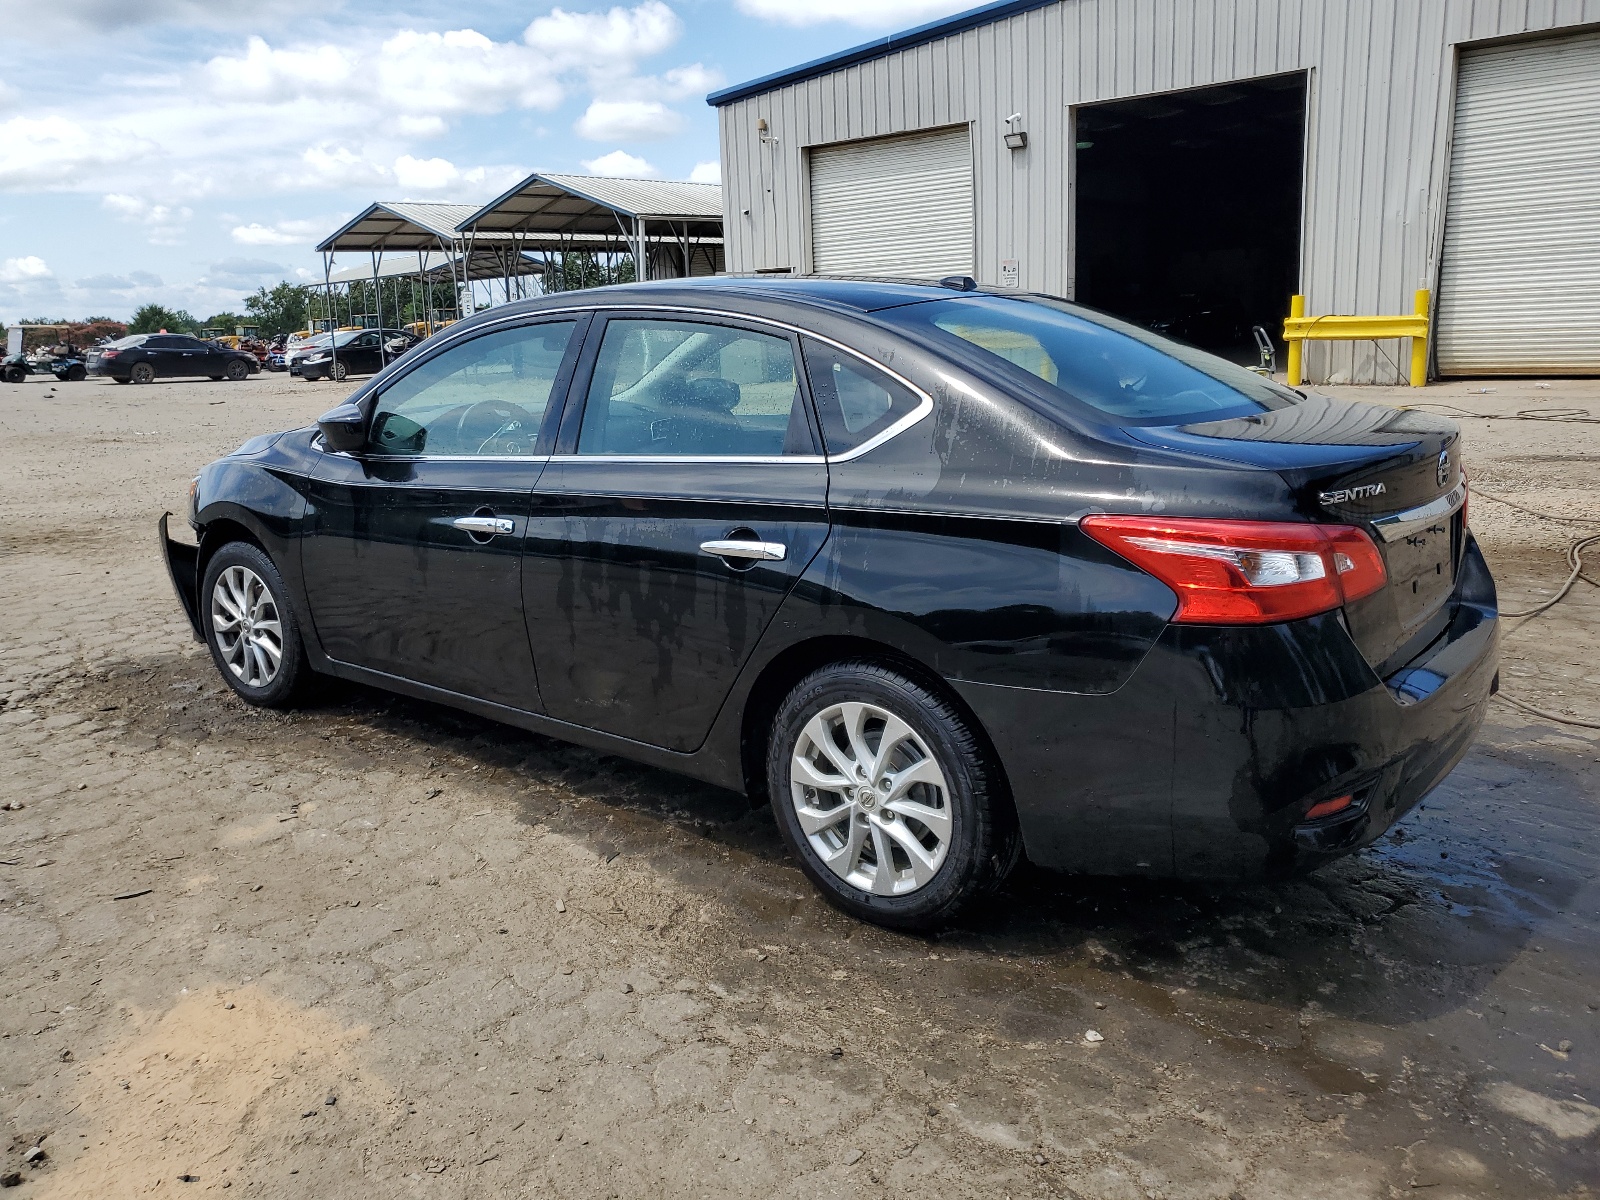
<point x="485" y="526"/>
<point x="739" y="548"/>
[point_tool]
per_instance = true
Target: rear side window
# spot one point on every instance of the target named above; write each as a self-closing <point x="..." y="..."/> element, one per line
<point x="164" y="342"/>
<point x="1118" y="369"/>
<point x="855" y="402"/>
<point x="693" y="389"/>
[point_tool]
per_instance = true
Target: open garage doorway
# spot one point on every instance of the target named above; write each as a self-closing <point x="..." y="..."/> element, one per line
<point x="1188" y="210"/>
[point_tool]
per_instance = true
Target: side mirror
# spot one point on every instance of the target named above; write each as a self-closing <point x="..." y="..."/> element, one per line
<point x="344" y="428"/>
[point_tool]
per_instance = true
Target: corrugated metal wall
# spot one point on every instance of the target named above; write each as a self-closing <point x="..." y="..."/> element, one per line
<point x="1382" y="82"/>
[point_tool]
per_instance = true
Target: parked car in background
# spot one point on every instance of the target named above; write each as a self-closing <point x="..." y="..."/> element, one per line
<point x="939" y="573"/>
<point x="354" y="352"/>
<point x="64" y="362"/>
<point x="145" y="357"/>
<point x="301" y="348"/>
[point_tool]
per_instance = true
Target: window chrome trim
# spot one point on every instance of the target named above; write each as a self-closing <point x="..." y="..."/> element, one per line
<point x="1412" y="520"/>
<point x="914" y="417"/>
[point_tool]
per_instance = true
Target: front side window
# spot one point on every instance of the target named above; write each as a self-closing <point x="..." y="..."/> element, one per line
<point x="690" y="388"/>
<point x="485" y="396"/>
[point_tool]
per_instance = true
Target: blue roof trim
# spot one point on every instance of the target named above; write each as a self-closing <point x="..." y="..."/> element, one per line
<point x="922" y="34"/>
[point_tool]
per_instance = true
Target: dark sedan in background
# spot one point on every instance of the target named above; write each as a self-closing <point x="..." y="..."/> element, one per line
<point x="146" y="357"/>
<point x="353" y="352"/>
<point x="944" y="575"/>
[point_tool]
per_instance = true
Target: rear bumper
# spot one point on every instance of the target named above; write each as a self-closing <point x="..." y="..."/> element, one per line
<point x="183" y="569"/>
<point x="1205" y="762"/>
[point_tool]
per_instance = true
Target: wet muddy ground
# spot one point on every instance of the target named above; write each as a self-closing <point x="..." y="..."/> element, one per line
<point x="379" y="948"/>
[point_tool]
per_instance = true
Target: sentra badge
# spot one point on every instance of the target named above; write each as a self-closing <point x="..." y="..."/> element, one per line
<point x="1364" y="491"/>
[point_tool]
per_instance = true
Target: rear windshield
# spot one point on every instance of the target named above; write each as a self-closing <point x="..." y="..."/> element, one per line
<point x="127" y="343"/>
<point x="1117" y="369"/>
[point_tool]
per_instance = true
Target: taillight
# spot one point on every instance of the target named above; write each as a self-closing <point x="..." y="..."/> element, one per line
<point x="109" y="353"/>
<point x="1246" y="572"/>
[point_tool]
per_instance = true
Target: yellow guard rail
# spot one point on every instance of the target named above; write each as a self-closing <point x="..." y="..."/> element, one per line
<point x="1299" y="329"/>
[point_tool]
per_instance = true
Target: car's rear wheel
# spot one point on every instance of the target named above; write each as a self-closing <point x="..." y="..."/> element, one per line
<point x="887" y="797"/>
<point x="251" y="630"/>
<point x="236" y="371"/>
<point x="142" y="373"/>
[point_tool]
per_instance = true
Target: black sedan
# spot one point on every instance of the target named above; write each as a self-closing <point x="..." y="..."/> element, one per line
<point x="146" y="357"/>
<point x="943" y="575"/>
<point x="353" y="352"/>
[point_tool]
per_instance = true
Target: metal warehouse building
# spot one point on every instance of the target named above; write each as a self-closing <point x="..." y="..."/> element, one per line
<point x="1190" y="164"/>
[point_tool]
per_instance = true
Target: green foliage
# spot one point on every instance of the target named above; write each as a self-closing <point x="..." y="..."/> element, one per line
<point x="581" y="269"/>
<point x="280" y="310"/>
<point x="226" y="321"/>
<point x="153" y="318"/>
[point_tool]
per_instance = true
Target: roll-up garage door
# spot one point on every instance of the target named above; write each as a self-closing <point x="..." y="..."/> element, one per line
<point x="893" y="206"/>
<point x="1519" y="287"/>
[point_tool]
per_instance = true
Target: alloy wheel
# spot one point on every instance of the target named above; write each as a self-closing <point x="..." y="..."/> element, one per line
<point x="871" y="799"/>
<point x="247" y="627"/>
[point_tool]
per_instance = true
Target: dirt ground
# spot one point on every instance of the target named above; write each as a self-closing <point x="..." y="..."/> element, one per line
<point x="379" y="948"/>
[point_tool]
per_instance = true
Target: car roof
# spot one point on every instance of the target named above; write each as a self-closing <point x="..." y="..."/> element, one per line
<point x="860" y="295"/>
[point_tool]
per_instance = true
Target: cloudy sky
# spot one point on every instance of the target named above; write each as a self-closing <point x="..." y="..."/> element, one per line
<point x="189" y="151"/>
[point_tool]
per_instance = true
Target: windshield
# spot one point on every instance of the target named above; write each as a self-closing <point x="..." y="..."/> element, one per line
<point x="1116" y="368"/>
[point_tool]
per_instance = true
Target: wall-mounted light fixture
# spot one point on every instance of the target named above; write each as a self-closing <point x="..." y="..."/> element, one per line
<point x="763" y="132"/>
<point x="1016" y="138"/>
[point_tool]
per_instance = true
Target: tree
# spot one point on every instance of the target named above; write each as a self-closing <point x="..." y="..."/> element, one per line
<point x="583" y="269"/>
<point x="279" y="311"/>
<point x="226" y="321"/>
<point x="153" y="318"/>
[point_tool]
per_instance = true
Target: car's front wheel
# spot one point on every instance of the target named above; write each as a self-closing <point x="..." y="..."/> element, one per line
<point x="887" y="797"/>
<point x="250" y="628"/>
<point x="142" y="373"/>
<point x="236" y="371"/>
<point x="340" y="371"/>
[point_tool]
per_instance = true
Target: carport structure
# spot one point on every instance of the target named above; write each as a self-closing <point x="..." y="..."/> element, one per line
<point x="424" y="271"/>
<point x="671" y="228"/>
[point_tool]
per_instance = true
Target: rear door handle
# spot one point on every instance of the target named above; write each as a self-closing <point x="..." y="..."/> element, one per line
<point x="485" y="525"/>
<point x="738" y="548"/>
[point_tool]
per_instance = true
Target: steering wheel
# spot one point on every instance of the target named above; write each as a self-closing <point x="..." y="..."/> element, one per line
<point x="510" y="426"/>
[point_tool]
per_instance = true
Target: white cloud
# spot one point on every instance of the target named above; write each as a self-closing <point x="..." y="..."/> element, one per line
<point x="706" y="172"/>
<point x="164" y="223"/>
<point x="31" y="269"/>
<point x="693" y="80"/>
<point x="242" y="272"/>
<point x="119" y="283"/>
<point x="866" y="13"/>
<point x="622" y="35"/>
<point x="25" y="18"/>
<point x="424" y="174"/>
<point x="627" y="121"/>
<point x="619" y="164"/>
<point x="284" y="233"/>
<point x="52" y="151"/>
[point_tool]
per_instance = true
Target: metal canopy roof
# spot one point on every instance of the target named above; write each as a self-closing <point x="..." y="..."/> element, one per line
<point x="402" y="225"/>
<point x="495" y="263"/>
<point x="595" y="205"/>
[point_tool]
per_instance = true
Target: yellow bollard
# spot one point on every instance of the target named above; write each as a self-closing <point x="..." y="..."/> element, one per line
<point x="1419" y="345"/>
<point x="1297" y="308"/>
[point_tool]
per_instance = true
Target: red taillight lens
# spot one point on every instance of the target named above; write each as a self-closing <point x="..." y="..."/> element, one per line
<point x="1328" y="807"/>
<point x="1246" y="572"/>
<point x="109" y="353"/>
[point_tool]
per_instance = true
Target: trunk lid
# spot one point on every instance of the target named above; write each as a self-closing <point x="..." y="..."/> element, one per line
<point x="1395" y="474"/>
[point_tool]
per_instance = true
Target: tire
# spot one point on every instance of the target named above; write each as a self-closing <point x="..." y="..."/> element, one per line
<point x="235" y="371"/>
<point x="77" y="374"/>
<point x="241" y="579"/>
<point x="142" y="372"/>
<point x="16" y="375"/>
<point x="119" y="379"/>
<point x="340" y="371"/>
<point x="964" y="856"/>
